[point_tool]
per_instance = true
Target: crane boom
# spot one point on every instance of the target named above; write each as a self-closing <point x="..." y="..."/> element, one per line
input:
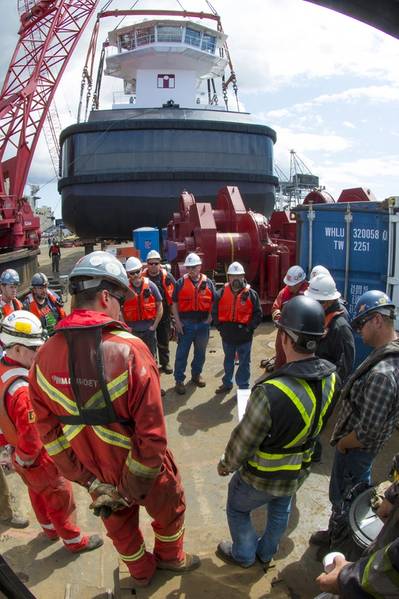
<point x="49" y="32"/>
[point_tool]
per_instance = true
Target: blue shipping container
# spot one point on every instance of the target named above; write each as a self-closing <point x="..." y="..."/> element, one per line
<point x="146" y="239"/>
<point x="357" y="242"/>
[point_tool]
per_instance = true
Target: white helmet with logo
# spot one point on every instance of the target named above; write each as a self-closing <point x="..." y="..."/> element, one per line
<point x="153" y="255"/>
<point x="23" y="328"/>
<point x="192" y="260"/>
<point x="133" y="264"/>
<point x="236" y="268"/>
<point x="319" y="269"/>
<point x="295" y="274"/>
<point x="322" y="288"/>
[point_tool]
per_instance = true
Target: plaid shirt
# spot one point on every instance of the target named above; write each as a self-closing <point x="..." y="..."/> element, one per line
<point x="372" y="406"/>
<point x="246" y="439"/>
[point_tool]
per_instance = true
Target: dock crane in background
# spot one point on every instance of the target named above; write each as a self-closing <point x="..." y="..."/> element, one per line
<point x="48" y="34"/>
<point x="293" y="189"/>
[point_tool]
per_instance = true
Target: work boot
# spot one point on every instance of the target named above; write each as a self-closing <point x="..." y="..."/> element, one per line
<point x="15" y="521"/>
<point x="163" y="392"/>
<point x="180" y="388"/>
<point x="223" y="389"/>
<point x="223" y="552"/>
<point x="141" y="582"/>
<point x="94" y="542"/>
<point x="198" y="380"/>
<point x="167" y="369"/>
<point x="321" y="538"/>
<point x="190" y="562"/>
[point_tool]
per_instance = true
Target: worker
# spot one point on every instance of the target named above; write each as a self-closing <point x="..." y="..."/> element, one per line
<point x="193" y="297"/>
<point x="270" y="450"/>
<point x="369" y="408"/>
<point x="236" y="314"/>
<point x="96" y="395"/>
<point x="319" y="269"/>
<point x="338" y="344"/>
<point x="166" y="283"/>
<point x="44" y="304"/>
<point x="143" y="310"/>
<point x="295" y="284"/>
<point x="51" y="495"/>
<point x="372" y="576"/>
<point x="9" y="282"/>
<point x="54" y="253"/>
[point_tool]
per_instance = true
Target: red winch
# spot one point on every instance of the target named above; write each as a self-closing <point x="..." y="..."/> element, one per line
<point x="227" y="233"/>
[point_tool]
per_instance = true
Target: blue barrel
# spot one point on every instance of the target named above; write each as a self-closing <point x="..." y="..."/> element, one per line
<point x="146" y="239"/>
<point x="356" y="242"/>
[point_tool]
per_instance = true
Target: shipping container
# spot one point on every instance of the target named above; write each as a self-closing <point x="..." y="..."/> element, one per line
<point x="358" y="243"/>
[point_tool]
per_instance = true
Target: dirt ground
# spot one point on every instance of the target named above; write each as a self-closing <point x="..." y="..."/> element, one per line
<point x="199" y="425"/>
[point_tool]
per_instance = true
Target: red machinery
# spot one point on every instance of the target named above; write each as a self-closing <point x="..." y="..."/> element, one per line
<point x="49" y="32"/>
<point x="227" y="233"/>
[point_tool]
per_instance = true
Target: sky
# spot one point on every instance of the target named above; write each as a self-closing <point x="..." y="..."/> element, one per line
<point x="327" y="84"/>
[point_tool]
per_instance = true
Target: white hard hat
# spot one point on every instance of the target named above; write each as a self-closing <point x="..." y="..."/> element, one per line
<point x="23" y="328"/>
<point x="133" y="263"/>
<point x="192" y="260"/>
<point x="322" y="287"/>
<point x="295" y="274"/>
<point x="319" y="269"/>
<point x="153" y="255"/>
<point x="236" y="268"/>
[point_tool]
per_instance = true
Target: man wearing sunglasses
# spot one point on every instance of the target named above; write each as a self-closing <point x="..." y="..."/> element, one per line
<point x="97" y="398"/>
<point x="369" y="401"/>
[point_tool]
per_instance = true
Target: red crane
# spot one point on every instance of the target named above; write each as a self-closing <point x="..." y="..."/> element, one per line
<point x="49" y="32"/>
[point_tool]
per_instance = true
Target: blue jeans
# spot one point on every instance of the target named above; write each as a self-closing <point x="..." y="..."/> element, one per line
<point x="244" y="498"/>
<point x="348" y="469"/>
<point x="196" y="333"/>
<point x="244" y="359"/>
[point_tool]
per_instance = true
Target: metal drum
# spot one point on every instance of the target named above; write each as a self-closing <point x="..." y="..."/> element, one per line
<point x="365" y="524"/>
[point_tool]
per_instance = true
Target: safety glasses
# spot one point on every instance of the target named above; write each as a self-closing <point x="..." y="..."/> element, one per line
<point x="361" y="322"/>
<point x="119" y="298"/>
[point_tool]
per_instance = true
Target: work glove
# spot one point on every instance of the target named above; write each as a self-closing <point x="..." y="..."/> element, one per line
<point x="107" y="499"/>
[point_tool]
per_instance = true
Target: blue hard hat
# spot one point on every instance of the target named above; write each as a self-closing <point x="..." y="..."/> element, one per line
<point x="9" y="277"/>
<point x="39" y="279"/>
<point x="373" y="301"/>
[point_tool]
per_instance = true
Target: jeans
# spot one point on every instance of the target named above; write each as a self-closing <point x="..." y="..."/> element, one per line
<point x="244" y="498"/>
<point x="196" y="333"/>
<point x="163" y="334"/>
<point x="149" y="338"/>
<point x="348" y="469"/>
<point x="244" y="356"/>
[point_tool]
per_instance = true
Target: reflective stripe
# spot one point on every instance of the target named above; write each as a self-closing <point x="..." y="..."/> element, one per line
<point x="134" y="556"/>
<point x="77" y="539"/>
<point x="139" y="469"/>
<point x="379" y="572"/>
<point x="8" y="374"/>
<point x="17" y="385"/>
<point x="302" y="396"/>
<point x="48" y="526"/>
<point x="169" y="538"/>
<point x="123" y="334"/>
<point x="112" y="437"/>
<point x="55" y="447"/>
<point x="116" y="388"/>
<point x="71" y="430"/>
<point x="24" y="463"/>
<point x="56" y="395"/>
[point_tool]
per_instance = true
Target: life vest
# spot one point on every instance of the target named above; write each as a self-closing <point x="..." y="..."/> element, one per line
<point x="9" y="374"/>
<point x="298" y="417"/>
<point x="7" y="309"/>
<point x="235" y="307"/>
<point x="167" y="284"/>
<point x="49" y="314"/>
<point x="195" y="297"/>
<point x="329" y="317"/>
<point x="142" y="305"/>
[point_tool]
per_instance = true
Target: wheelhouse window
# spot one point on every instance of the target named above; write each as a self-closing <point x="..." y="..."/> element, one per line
<point x="145" y="35"/>
<point x="208" y="43"/>
<point x="166" y="33"/>
<point x="192" y="37"/>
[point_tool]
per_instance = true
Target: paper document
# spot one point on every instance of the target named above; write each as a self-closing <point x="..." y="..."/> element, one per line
<point x="242" y="400"/>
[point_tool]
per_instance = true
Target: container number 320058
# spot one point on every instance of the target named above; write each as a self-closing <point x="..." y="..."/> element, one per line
<point x="362" y="234"/>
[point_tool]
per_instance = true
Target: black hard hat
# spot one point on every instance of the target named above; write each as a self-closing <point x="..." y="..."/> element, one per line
<point x="303" y="315"/>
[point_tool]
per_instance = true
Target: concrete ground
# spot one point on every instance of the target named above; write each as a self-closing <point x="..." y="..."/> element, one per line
<point x="199" y="425"/>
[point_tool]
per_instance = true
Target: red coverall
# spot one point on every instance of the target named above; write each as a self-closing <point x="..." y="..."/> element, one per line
<point x="50" y="494"/>
<point x="131" y="455"/>
<point x="284" y="295"/>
